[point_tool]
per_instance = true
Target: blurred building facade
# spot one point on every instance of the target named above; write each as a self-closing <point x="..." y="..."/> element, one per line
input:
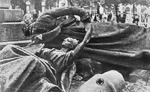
<point x="142" y="11"/>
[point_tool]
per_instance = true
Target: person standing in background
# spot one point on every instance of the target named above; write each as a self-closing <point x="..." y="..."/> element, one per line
<point x="28" y="18"/>
<point x="136" y="19"/>
<point x="35" y="15"/>
<point x="109" y="17"/>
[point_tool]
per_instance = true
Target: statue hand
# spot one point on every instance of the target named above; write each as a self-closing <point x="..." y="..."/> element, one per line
<point x="36" y="40"/>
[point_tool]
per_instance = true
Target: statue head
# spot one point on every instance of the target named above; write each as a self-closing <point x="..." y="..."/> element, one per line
<point x="70" y="43"/>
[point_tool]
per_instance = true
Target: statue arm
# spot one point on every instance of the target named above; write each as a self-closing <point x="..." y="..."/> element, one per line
<point x="85" y="40"/>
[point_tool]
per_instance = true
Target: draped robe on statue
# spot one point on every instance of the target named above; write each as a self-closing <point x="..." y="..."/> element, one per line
<point x="120" y="44"/>
<point x="22" y="71"/>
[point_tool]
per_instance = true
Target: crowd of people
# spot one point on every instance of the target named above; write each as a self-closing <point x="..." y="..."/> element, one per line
<point x="111" y="17"/>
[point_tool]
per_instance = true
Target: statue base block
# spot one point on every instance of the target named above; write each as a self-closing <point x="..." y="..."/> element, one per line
<point x="11" y="31"/>
<point x="11" y="15"/>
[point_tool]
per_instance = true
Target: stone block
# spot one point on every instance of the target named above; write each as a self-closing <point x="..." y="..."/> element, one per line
<point x="11" y="15"/>
<point x="11" y="31"/>
<point x="5" y="3"/>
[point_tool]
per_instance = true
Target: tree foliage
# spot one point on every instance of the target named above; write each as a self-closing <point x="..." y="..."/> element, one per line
<point x="51" y="3"/>
<point x="81" y="3"/>
<point x="109" y="2"/>
<point x="141" y="2"/>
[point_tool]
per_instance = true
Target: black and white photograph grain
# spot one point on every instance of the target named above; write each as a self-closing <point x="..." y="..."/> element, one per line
<point x="74" y="45"/>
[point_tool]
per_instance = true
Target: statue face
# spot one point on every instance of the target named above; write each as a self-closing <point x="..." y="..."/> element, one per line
<point x="66" y="43"/>
<point x="69" y="43"/>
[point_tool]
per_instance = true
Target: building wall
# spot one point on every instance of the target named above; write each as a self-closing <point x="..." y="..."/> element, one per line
<point x="11" y="32"/>
<point x="4" y="3"/>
